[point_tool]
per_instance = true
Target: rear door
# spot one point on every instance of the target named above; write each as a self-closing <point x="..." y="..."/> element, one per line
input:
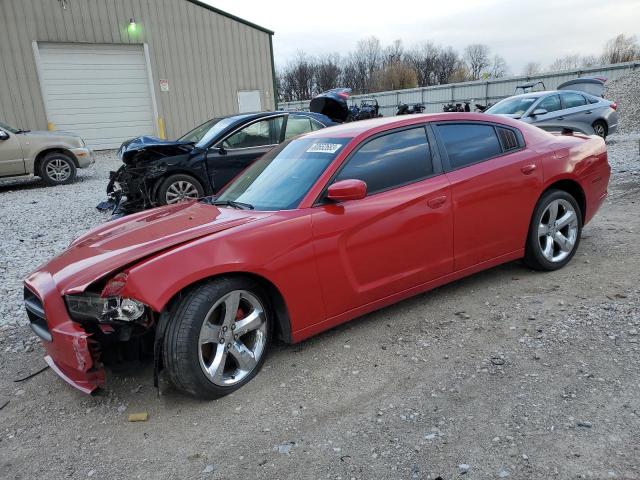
<point x="495" y="181"/>
<point x="575" y="107"/>
<point x="396" y="238"/>
<point x="11" y="159"/>
<point x="241" y="148"/>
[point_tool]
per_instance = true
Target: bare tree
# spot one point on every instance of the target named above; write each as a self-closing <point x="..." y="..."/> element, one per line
<point x="424" y="59"/>
<point x="568" y="62"/>
<point x="297" y="78"/>
<point x="531" y="69"/>
<point x="621" y="48"/>
<point x="498" y="68"/>
<point x="477" y="58"/>
<point x="328" y="72"/>
<point x="446" y="64"/>
<point x="393" y="53"/>
<point x="589" y="61"/>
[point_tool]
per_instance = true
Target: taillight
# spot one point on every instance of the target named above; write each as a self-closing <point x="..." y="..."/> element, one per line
<point x="614" y="105"/>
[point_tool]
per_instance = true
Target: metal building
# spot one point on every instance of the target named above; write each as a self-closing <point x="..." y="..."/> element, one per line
<point x="115" y="69"/>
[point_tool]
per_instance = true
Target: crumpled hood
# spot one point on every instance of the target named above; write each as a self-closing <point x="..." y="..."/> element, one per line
<point x="148" y="148"/>
<point x="114" y="245"/>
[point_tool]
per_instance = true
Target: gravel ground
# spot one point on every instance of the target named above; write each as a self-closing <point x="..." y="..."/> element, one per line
<point x="625" y="91"/>
<point x="507" y="374"/>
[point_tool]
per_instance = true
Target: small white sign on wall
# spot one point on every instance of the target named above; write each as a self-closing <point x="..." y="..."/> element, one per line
<point x="164" y="85"/>
<point x="249" y="101"/>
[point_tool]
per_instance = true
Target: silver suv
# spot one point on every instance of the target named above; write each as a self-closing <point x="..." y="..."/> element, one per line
<point x="52" y="156"/>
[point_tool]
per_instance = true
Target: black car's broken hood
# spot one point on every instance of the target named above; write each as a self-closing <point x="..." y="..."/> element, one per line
<point x="148" y="148"/>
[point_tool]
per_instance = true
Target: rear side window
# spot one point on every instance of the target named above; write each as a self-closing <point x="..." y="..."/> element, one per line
<point x="571" y="100"/>
<point x="390" y="161"/>
<point x="468" y="143"/>
<point x="297" y="125"/>
<point x="550" y="104"/>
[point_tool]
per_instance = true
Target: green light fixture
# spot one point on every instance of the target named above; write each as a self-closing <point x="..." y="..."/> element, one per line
<point x="133" y="26"/>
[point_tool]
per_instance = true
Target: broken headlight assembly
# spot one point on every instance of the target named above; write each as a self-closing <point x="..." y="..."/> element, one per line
<point x="107" y="306"/>
<point x="93" y="307"/>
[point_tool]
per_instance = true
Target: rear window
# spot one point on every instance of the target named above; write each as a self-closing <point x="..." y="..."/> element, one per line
<point x="469" y="143"/>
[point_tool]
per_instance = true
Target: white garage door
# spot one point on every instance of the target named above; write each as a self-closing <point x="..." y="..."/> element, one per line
<point x="100" y="92"/>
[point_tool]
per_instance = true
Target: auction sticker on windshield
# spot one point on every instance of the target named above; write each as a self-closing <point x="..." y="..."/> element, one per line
<point x="324" y="148"/>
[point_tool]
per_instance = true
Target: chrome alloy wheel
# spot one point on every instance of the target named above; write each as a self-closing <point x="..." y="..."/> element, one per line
<point x="599" y="129"/>
<point x="232" y="338"/>
<point x="180" y="191"/>
<point x="58" y="170"/>
<point x="558" y="230"/>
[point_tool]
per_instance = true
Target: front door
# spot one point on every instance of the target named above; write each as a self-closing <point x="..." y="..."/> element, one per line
<point x="11" y="159"/>
<point x="398" y="237"/>
<point x="239" y="150"/>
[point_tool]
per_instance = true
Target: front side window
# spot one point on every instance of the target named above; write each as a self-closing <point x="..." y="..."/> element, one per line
<point x="258" y="134"/>
<point x="282" y="177"/>
<point x="513" y="106"/>
<point x="390" y="161"/>
<point x="469" y="143"/>
<point x="571" y="100"/>
<point x="297" y="125"/>
<point x="550" y="104"/>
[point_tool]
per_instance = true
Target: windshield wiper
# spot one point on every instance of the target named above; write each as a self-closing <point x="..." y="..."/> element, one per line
<point x="233" y="204"/>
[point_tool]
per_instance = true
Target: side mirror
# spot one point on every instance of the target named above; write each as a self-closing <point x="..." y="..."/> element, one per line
<point x="220" y="149"/>
<point x="539" y="111"/>
<point x="3" y="135"/>
<point x="347" y="190"/>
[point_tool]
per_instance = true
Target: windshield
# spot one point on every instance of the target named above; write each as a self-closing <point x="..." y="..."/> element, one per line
<point x="513" y="106"/>
<point x="8" y="128"/>
<point x="208" y="131"/>
<point x="280" y="179"/>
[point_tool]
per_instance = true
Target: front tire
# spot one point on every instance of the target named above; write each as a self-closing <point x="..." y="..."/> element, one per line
<point x="57" y="169"/>
<point x="218" y="338"/>
<point x="179" y="188"/>
<point x="554" y="233"/>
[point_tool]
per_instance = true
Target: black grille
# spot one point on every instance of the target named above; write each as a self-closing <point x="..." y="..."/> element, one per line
<point x="508" y="139"/>
<point x="35" y="312"/>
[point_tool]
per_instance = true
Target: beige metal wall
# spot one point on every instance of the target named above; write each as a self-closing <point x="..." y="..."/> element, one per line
<point x="206" y="57"/>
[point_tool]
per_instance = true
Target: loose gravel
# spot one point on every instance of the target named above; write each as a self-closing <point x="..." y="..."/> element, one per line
<point x="506" y="374"/>
<point x="625" y="91"/>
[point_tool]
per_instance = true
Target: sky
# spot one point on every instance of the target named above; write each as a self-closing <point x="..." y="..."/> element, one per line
<point x="520" y="31"/>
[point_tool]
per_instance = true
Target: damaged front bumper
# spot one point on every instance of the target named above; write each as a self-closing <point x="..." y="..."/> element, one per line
<point x="131" y="190"/>
<point x="71" y="352"/>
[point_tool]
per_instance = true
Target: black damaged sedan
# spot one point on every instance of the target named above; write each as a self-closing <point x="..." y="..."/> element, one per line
<point x="159" y="172"/>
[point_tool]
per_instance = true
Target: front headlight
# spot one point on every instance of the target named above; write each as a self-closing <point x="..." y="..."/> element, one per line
<point x="91" y="306"/>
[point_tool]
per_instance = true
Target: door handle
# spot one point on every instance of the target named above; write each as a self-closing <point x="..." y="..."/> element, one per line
<point x="528" y="169"/>
<point x="560" y="118"/>
<point x="588" y="113"/>
<point x="437" y="202"/>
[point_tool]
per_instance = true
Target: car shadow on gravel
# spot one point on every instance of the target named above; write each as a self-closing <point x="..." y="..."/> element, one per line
<point x="125" y="385"/>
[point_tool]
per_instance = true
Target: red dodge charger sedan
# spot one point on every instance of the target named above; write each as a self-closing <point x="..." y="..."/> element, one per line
<point x="324" y="228"/>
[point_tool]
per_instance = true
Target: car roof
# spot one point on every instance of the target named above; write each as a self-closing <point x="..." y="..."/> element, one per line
<point x="548" y="92"/>
<point x="354" y="129"/>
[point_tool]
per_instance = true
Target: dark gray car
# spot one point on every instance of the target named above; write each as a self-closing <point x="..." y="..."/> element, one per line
<point x="557" y="107"/>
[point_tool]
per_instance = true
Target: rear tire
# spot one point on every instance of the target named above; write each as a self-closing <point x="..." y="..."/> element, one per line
<point x="57" y="169"/>
<point x="218" y="338"/>
<point x="600" y="128"/>
<point x="554" y="232"/>
<point x="179" y="188"/>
